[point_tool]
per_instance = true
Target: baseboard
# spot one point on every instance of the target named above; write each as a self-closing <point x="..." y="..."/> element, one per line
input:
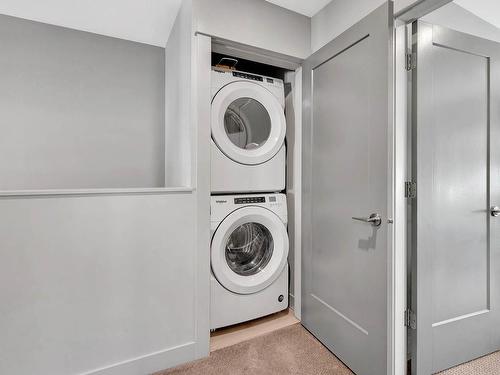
<point x="150" y="363"/>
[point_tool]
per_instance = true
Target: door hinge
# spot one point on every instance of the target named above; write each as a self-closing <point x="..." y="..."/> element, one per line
<point x="411" y="61"/>
<point x="410" y="189"/>
<point x="410" y="319"/>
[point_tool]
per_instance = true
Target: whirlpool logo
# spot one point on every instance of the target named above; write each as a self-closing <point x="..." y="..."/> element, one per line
<point x="221" y="201"/>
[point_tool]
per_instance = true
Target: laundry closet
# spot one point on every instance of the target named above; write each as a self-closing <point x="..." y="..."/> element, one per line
<point x="338" y="186"/>
<point x="250" y="272"/>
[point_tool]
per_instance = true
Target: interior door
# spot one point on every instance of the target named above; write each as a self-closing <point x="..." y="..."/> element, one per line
<point x="347" y="189"/>
<point x="456" y="165"/>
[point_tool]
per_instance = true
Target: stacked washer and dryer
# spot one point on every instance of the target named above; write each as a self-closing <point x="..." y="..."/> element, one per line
<point x="249" y="247"/>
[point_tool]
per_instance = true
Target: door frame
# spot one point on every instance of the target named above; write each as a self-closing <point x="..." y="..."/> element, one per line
<point x="403" y="172"/>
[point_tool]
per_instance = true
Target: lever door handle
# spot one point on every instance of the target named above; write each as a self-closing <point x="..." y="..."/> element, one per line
<point x="373" y="219"/>
<point x="495" y="211"/>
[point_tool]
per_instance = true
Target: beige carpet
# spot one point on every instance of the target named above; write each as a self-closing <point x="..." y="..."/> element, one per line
<point x="288" y="351"/>
<point x="488" y="365"/>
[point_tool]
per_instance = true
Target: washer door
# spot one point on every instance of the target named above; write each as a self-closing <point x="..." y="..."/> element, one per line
<point x="248" y="123"/>
<point x="249" y="250"/>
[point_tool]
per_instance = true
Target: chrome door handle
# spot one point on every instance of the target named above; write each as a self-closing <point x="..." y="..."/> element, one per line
<point x="376" y="220"/>
<point x="495" y="211"/>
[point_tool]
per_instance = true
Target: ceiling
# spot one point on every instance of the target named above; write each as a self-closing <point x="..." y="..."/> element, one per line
<point x="305" y="7"/>
<point x="150" y="21"/>
<point x="488" y="10"/>
<point x="144" y="21"/>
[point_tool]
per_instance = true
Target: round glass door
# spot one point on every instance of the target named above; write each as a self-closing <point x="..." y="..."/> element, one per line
<point x="249" y="250"/>
<point x="248" y="123"/>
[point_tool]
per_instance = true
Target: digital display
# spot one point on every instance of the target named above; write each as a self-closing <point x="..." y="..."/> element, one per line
<point x="248" y="200"/>
<point x="248" y="76"/>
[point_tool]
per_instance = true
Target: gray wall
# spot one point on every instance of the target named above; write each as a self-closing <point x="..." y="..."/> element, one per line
<point x="78" y="110"/>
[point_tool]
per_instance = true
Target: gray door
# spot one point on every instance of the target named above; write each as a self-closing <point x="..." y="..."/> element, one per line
<point x="456" y="164"/>
<point x="347" y="173"/>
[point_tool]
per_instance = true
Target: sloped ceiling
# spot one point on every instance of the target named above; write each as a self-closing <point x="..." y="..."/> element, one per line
<point x="488" y="10"/>
<point x="306" y="7"/>
<point x="144" y="21"/>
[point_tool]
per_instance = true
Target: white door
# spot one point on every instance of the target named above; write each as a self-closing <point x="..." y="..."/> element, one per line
<point x="248" y="123"/>
<point x="456" y="165"/>
<point x="347" y="190"/>
<point x="249" y="250"/>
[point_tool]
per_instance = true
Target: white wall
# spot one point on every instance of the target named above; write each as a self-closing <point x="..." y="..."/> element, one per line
<point x="457" y="18"/>
<point x="112" y="283"/>
<point x="90" y="282"/>
<point x="178" y="101"/>
<point x="339" y="15"/>
<point x="256" y="23"/>
<point x="79" y="110"/>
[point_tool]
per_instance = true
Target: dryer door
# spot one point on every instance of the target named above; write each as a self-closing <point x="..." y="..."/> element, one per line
<point x="248" y="122"/>
<point x="249" y="250"/>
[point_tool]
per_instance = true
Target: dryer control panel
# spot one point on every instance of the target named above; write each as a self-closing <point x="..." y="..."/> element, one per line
<point x="253" y="77"/>
<point x="248" y="200"/>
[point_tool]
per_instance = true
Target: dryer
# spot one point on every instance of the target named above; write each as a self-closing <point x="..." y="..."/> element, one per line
<point x="249" y="252"/>
<point x="248" y="133"/>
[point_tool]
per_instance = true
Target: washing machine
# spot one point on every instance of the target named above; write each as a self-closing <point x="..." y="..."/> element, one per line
<point x="248" y="133"/>
<point x="249" y="252"/>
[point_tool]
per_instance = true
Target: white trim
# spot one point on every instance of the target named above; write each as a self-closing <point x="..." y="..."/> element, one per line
<point x="201" y="94"/>
<point x="297" y="185"/>
<point x="400" y="214"/>
<point x="271" y="146"/>
<point x="418" y="9"/>
<point x="111" y="191"/>
<point x="148" y="363"/>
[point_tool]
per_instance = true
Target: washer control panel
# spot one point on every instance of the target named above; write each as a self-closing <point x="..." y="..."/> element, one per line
<point x="223" y="205"/>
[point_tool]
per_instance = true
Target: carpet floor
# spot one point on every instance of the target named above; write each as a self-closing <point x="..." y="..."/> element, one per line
<point x="288" y="351"/>
<point x="294" y="351"/>
<point x="487" y="365"/>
